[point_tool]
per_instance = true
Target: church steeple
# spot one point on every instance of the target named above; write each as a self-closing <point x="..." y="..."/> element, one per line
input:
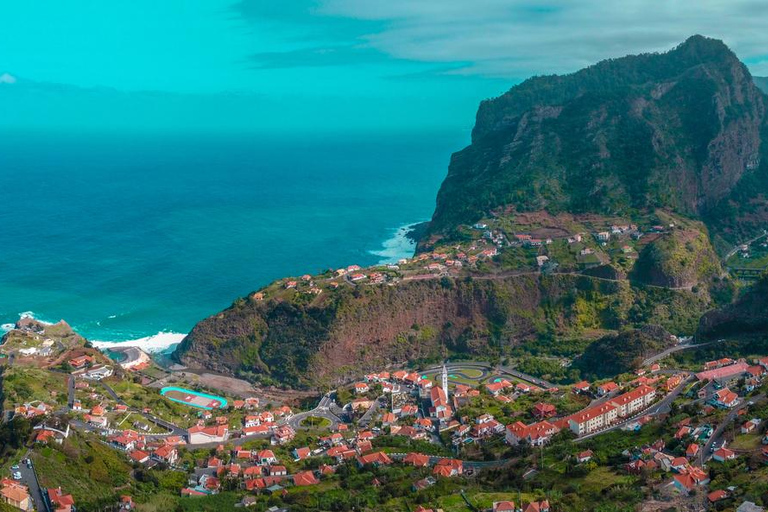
<point x="445" y="381"/>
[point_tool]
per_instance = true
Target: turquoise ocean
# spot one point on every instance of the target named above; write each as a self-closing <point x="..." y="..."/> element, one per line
<point x="138" y="237"/>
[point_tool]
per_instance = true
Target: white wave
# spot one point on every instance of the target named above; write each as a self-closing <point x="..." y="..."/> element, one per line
<point x="31" y="314"/>
<point x="160" y="342"/>
<point x="397" y="247"/>
<point x="26" y="314"/>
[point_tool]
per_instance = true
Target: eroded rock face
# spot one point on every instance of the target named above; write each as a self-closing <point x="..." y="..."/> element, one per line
<point x="675" y="130"/>
<point x="369" y="328"/>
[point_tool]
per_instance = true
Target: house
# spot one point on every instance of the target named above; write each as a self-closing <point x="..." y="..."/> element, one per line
<point x="536" y="434"/>
<point x="521" y="387"/>
<point x="581" y="387"/>
<point x="167" y="454"/>
<point x="683" y="431"/>
<point x="98" y="372"/>
<point x="98" y="421"/>
<point x="416" y="459"/>
<point x="80" y="361"/>
<point x="723" y="454"/>
<point x="585" y="456"/>
<point x="125" y="442"/>
<point x="709" y="365"/>
<point x="725" y="398"/>
<point x="448" y="468"/>
<point x="692" y="451"/>
<point x="679" y="464"/>
<point x="593" y="418"/>
<point x="283" y="434"/>
<point x="607" y="388"/>
<point x="495" y="388"/>
<point x="689" y="479"/>
<point x="420" y="485"/>
<point x="376" y="458"/>
<point x="750" y="426"/>
<point x="301" y="453"/>
<point x="139" y="456"/>
<point x="723" y="374"/>
<point x="543" y="411"/>
<point x="201" y="434"/>
<point x="305" y="478"/>
<point x="265" y="457"/>
<point x="603" y="236"/>
<point x="277" y="471"/>
<point x="16" y="495"/>
<point x="60" y="501"/>
<point x="361" y="387"/>
<point x="633" y="401"/>
<point x="504" y="506"/>
<point x="717" y="495"/>
<point x="673" y="381"/>
<point x="537" y="506"/>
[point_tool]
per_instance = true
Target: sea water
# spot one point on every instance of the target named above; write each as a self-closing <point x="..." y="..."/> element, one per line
<point x="138" y="237"/>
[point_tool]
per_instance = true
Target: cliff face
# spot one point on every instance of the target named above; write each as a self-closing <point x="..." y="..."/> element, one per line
<point x="368" y="328"/>
<point x="746" y="316"/>
<point x="681" y="259"/>
<point x="622" y="352"/>
<point x="677" y="130"/>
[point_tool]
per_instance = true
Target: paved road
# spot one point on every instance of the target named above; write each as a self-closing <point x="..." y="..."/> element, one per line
<point x="368" y="416"/>
<point x="735" y="248"/>
<point x="173" y="429"/>
<point x="29" y="478"/>
<point x="487" y="370"/>
<point x="323" y="410"/>
<point x="718" y="433"/>
<point x="672" y="350"/>
<point x="70" y="391"/>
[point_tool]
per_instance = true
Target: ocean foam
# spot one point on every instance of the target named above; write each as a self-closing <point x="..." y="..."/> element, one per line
<point x="397" y="247"/>
<point x="160" y="342"/>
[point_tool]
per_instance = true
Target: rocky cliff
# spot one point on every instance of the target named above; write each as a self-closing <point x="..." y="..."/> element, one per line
<point x="377" y="326"/>
<point x="678" y="130"/>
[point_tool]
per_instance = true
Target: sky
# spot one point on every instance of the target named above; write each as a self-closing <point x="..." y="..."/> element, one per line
<point x="308" y="65"/>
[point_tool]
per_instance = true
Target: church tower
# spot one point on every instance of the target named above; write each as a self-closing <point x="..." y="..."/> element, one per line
<point x="445" y="381"/>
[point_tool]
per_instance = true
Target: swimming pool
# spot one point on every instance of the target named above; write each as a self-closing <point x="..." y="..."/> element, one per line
<point x="193" y="398"/>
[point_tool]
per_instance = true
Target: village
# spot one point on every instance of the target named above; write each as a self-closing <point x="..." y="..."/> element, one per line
<point x="500" y="246"/>
<point x="456" y="421"/>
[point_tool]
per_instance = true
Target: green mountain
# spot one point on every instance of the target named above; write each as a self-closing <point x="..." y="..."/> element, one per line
<point x="671" y="139"/>
<point x="680" y="131"/>
<point x="286" y="340"/>
<point x="761" y="82"/>
<point x="746" y="316"/>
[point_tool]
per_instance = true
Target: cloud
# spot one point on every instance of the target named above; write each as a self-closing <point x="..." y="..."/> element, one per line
<point x="7" y="78"/>
<point x="341" y="55"/>
<point x="512" y="38"/>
